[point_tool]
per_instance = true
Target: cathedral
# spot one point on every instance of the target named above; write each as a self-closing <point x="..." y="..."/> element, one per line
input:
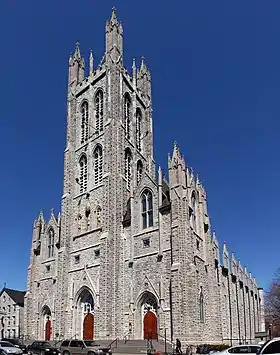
<point x="131" y="253"/>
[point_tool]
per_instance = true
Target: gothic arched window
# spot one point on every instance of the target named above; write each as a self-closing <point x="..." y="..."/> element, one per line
<point x="138" y="128"/>
<point x="147" y="209"/>
<point x="201" y="307"/>
<point x="99" y="104"/>
<point x="84" y="124"/>
<point x="83" y="173"/>
<point x="50" y="243"/>
<point x="193" y="212"/>
<point x="127" y="168"/>
<point x="139" y="171"/>
<point x="127" y="115"/>
<point x="98" y="165"/>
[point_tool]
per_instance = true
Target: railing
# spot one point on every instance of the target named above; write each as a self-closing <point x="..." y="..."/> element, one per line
<point x="150" y="347"/>
<point x="114" y="341"/>
<point x="126" y="337"/>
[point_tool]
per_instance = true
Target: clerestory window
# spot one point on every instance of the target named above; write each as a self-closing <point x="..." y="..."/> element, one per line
<point x="83" y="173"/>
<point x="84" y="123"/>
<point x="147" y="209"/>
<point x="98" y="164"/>
<point x="99" y="111"/>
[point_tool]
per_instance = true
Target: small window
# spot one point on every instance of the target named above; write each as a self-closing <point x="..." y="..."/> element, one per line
<point x="48" y="268"/>
<point x="197" y="244"/>
<point x="77" y="259"/>
<point x="65" y="343"/>
<point x="146" y="243"/>
<point x="272" y="348"/>
<point x="97" y="253"/>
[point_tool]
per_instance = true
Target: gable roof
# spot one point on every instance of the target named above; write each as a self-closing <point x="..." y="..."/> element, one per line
<point x="17" y="296"/>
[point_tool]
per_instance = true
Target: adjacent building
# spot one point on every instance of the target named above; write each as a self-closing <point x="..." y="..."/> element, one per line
<point x="132" y="251"/>
<point x="11" y="313"/>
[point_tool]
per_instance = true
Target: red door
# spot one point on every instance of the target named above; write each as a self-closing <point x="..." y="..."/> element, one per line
<point x="88" y="327"/>
<point x="48" y="330"/>
<point x="150" y="326"/>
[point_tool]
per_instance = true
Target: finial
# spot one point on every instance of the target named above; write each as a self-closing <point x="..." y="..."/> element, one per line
<point x="91" y="62"/>
<point x="77" y="50"/>
<point x="133" y="63"/>
<point x="197" y="180"/>
<point x="5" y="284"/>
<point x="114" y="15"/>
<point x="52" y="210"/>
<point x="142" y="62"/>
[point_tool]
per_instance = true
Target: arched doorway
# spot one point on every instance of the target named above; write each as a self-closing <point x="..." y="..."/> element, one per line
<point x="84" y="316"/>
<point x="148" y="307"/>
<point x="46" y="323"/>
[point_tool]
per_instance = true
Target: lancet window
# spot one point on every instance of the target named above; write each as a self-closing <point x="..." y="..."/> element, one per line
<point x="84" y="123"/>
<point x="128" y="160"/>
<point x="50" y="243"/>
<point x="83" y="181"/>
<point x="147" y="209"/>
<point x="138" y="128"/>
<point x="99" y="111"/>
<point x="98" y="164"/>
<point x="127" y="115"/>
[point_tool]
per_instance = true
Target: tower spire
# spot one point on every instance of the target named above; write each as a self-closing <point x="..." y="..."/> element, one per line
<point x="114" y="37"/>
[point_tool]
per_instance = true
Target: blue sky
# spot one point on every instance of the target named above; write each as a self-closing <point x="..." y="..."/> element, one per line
<point x="216" y="78"/>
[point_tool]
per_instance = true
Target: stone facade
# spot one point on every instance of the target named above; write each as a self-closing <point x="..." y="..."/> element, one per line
<point x="11" y="313"/>
<point x="128" y="242"/>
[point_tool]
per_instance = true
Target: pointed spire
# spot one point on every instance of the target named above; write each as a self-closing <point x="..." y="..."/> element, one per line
<point x="90" y="62"/>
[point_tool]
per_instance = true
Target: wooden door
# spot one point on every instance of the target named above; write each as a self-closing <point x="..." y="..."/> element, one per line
<point x="88" y="327"/>
<point x="48" y="330"/>
<point x="150" y="326"/>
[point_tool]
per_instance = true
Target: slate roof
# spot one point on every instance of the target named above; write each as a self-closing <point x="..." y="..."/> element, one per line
<point x="17" y="296"/>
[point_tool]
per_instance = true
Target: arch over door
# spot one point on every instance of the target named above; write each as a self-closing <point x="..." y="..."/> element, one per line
<point x="48" y="330"/>
<point x="88" y="327"/>
<point x="150" y="326"/>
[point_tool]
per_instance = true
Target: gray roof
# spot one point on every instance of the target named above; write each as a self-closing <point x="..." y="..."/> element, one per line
<point x="17" y="296"/>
